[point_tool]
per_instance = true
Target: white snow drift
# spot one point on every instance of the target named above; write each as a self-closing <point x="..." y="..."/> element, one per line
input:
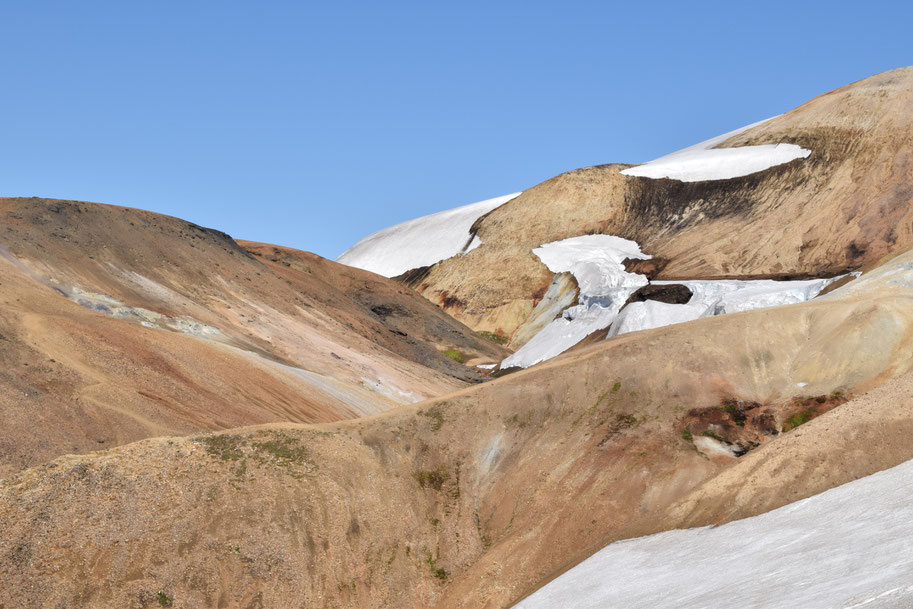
<point x="605" y="286"/>
<point x="718" y="297"/>
<point x="596" y="263"/>
<point x="704" y="162"/>
<point x="420" y="242"/>
<point x="849" y="547"/>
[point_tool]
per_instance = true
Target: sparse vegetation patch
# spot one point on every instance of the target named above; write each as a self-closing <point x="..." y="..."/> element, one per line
<point x="276" y="448"/>
<point x="285" y="450"/>
<point x="497" y="336"/>
<point x="432" y="478"/>
<point x="224" y="446"/>
<point x="436" y="571"/>
<point x="455" y="355"/>
<point x="437" y="417"/>
<point x="798" y="419"/>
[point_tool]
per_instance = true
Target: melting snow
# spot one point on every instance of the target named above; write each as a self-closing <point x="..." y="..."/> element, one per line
<point x="704" y="162"/>
<point x="596" y="263"/>
<point x="653" y="314"/>
<point x="847" y="547"/>
<point x="420" y="242"/>
<point x="718" y="297"/>
<point x="605" y="286"/>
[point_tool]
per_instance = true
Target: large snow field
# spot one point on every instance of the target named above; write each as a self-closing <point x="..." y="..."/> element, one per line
<point x="849" y="547"/>
<point x="422" y="241"/>
<point x="704" y="162"/>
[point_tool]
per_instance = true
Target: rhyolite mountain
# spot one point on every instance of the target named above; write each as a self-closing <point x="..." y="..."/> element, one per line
<point x="119" y="324"/>
<point x="843" y="207"/>
<point x="294" y="432"/>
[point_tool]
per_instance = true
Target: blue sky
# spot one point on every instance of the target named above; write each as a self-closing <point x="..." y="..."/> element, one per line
<point x="313" y="124"/>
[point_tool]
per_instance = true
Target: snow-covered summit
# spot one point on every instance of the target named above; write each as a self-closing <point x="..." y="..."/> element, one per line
<point x="422" y="241"/>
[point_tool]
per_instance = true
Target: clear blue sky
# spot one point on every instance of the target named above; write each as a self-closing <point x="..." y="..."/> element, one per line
<point x="313" y="124"/>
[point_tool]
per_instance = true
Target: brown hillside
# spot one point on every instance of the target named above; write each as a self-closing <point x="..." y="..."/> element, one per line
<point x="119" y="324"/>
<point x="477" y="498"/>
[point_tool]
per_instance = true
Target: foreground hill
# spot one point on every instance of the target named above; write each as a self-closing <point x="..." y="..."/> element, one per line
<point x="119" y="324"/>
<point x="477" y="498"/>
<point x="822" y="190"/>
<point x="848" y="547"/>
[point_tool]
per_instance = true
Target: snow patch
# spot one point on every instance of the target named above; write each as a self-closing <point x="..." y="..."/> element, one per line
<point x="421" y="242"/>
<point x="846" y="547"/>
<point x="705" y="162"/>
<point x="716" y="297"/>
<point x="596" y="263"/>
<point x="653" y="314"/>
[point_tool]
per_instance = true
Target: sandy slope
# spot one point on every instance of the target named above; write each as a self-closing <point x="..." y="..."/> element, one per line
<point x="474" y="499"/>
<point x="180" y="330"/>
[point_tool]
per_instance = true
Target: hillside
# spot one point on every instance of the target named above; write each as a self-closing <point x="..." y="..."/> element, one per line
<point x="721" y="337"/>
<point x="844" y="548"/>
<point x="479" y="497"/>
<point x="119" y="324"/>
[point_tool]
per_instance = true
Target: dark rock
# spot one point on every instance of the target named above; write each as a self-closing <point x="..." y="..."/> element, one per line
<point x="413" y="277"/>
<point x="672" y="294"/>
<point x="651" y="268"/>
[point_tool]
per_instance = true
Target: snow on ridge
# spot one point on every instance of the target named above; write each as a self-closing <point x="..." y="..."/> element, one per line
<point x="705" y="162"/>
<point x="605" y="286"/>
<point x="422" y="241"/>
<point x="720" y="163"/>
<point x="846" y="547"/>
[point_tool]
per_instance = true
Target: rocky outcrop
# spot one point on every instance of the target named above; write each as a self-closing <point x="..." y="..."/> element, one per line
<point x="675" y="293"/>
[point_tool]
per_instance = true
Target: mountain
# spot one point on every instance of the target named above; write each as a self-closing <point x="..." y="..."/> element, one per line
<point x="479" y="497"/>
<point x="119" y="324"/>
<point x="742" y="358"/>
<point x="820" y="191"/>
